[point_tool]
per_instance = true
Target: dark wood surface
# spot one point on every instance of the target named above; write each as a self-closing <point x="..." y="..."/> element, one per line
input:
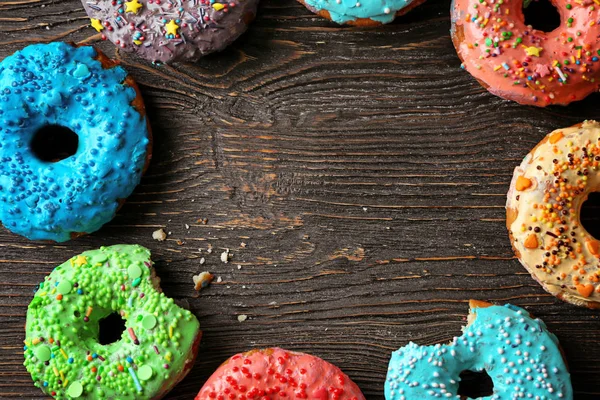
<point x="363" y="169"/>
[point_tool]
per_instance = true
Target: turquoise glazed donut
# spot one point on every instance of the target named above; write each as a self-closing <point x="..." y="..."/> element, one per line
<point x="76" y="88"/>
<point x="361" y="12"/>
<point x="63" y="352"/>
<point x="523" y="359"/>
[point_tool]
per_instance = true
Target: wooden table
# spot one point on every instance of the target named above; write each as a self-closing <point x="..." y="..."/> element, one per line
<point x="358" y="177"/>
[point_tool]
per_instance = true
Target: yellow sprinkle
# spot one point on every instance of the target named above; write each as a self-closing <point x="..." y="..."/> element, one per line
<point x="64" y="354"/>
<point x="497" y="68"/>
<point x="218" y="6"/>
<point x="62" y="375"/>
<point x="66" y="382"/>
<point x="43" y="294"/>
<point x="171" y="331"/>
<point x="80" y="260"/>
<point x="55" y="371"/>
<point x="534" y="219"/>
<point x="35" y="341"/>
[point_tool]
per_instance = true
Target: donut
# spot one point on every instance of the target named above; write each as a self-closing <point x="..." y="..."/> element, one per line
<point x="278" y="374"/>
<point x="63" y="349"/>
<point x="48" y="87"/>
<point x="518" y="353"/>
<point x="522" y="64"/>
<point x="363" y="13"/>
<point x="167" y="31"/>
<point x="543" y="213"/>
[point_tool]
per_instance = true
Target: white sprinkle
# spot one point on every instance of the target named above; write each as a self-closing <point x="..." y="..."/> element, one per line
<point x="242" y="317"/>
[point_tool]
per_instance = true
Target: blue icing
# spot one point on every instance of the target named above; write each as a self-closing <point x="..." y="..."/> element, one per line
<point x="57" y="84"/>
<point x="342" y="11"/>
<point x="518" y="353"/>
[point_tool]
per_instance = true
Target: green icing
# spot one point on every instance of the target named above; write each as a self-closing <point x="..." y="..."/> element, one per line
<point x="62" y="352"/>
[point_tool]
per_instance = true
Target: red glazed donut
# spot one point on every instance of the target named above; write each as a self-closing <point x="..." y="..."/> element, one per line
<point x="519" y="63"/>
<point x="278" y="374"/>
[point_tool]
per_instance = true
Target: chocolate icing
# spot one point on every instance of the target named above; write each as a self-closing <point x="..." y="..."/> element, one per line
<point x="165" y="31"/>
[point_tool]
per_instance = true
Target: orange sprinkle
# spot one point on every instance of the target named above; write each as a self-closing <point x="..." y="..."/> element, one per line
<point x="531" y="242"/>
<point x="593" y="246"/>
<point x="585" y="290"/>
<point x="523" y="183"/>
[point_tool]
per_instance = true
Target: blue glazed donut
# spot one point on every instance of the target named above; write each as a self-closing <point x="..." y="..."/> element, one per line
<point x="523" y="359"/>
<point x="77" y="88"/>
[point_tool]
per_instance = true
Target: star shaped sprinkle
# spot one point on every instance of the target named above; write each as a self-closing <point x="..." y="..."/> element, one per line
<point x="533" y="51"/>
<point x="80" y="260"/>
<point x="133" y="6"/>
<point x="172" y="28"/>
<point x="97" y="24"/>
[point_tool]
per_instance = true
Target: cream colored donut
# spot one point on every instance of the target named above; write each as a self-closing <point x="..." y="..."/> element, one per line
<point x="542" y="213"/>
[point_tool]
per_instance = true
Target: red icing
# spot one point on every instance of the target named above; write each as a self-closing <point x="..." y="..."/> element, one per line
<point x="276" y="373"/>
<point x="530" y="79"/>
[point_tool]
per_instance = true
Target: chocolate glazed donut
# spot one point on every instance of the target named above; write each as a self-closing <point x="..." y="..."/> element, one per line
<point x="164" y="31"/>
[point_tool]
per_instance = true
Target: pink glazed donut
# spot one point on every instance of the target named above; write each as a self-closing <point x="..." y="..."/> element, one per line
<point x="516" y="62"/>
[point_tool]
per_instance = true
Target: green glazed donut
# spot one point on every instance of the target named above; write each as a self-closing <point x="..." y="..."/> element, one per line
<point x="62" y="349"/>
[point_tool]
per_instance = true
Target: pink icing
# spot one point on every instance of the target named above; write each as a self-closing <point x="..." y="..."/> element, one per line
<point x="526" y="65"/>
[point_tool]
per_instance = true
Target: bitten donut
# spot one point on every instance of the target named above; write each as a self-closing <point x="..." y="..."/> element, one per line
<point x="521" y="357"/>
<point x="45" y="86"/>
<point x="278" y="374"/>
<point x="543" y="213"/>
<point x="525" y="65"/>
<point x="164" y="31"/>
<point x="62" y="349"/>
<point x="361" y="13"/>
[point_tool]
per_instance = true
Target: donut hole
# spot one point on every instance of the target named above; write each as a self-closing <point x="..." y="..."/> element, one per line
<point x="475" y="384"/>
<point x="53" y="143"/>
<point x="111" y="329"/>
<point x="590" y="215"/>
<point x="541" y="15"/>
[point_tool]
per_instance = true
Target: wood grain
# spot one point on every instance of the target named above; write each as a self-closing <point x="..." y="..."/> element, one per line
<point x="362" y="169"/>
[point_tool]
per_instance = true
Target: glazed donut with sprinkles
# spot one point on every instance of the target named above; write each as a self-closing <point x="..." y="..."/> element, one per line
<point x="518" y="353"/>
<point x="164" y="31"/>
<point x="519" y="63"/>
<point x="48" y="87"/>
<point x="278" y="374"/>
<point x="63" y="353"/>
<point x="361" y="13"/>
<point x="543" y="213"/>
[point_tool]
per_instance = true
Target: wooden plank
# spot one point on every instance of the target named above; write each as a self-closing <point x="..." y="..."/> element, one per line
<point x="363" y="170"/>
